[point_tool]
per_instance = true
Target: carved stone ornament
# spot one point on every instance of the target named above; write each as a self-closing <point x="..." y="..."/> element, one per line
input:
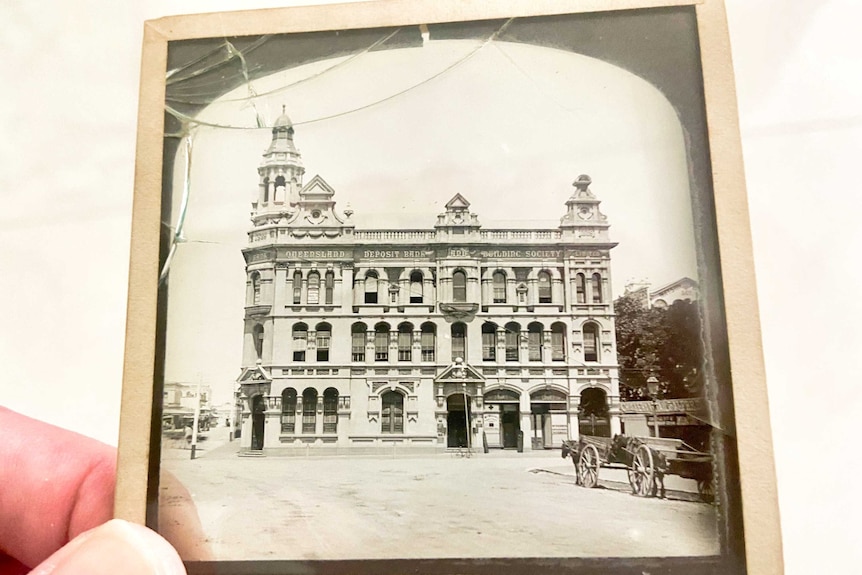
<point x="459" y="310"/>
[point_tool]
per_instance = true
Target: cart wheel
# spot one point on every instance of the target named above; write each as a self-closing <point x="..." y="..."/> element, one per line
<point x="588" y="466"/>
<point x="706" y="490"/>
<point x="642" y="472"/>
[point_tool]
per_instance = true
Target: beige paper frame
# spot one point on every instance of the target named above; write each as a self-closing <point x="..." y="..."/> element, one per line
<point x="757" y="472"/>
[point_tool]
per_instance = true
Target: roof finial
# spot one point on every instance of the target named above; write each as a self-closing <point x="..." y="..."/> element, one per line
<point x="283" y="109"/>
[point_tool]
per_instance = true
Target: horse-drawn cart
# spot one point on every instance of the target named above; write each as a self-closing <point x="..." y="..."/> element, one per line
<point x="646" y="460"/>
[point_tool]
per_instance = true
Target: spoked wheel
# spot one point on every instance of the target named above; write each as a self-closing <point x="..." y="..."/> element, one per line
<point x="588" y="466"/>
<point x="706" y="490"/>
<point x="642" y="472"/>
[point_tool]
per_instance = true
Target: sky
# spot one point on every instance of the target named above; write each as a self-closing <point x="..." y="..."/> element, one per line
<point x="509" y="126"/>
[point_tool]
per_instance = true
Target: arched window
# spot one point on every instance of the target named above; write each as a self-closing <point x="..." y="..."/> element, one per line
<point x="257" y="338"/>
<point x="313" y="297"/>
<point x="459" y="341"/>
<point x="381" y="342"/>
<point x="513" y="336"/>
<point x="498" y="281"/>
<point x="416" y="287"/>
<point x="265" y="190"/>
<point x="309" y="410"/>
<point x="297" y="287"/>
<point x="534" y="341"/>
<point x="591" y="342"/>
<point x="255" y="288"/>
<point x="288" y="410"/>
<point x="558" y="342"/>
<point x="544" y="287"/>
<point x="489" y="342"/>
<point x="371" y="282"/>
<point x="278" y="195"/>
<point x="329" y="288"/>
<point x="428" y="341"/>
<point x="330" y="410"/>
<point x="357" y="341"/>
<point x="597" y="288"/>
<point x="405" y="342"/>
<point x="300" y="341"/>
<point x="392" y="412"/>
<point x="323" y="338"/>
<point x="459" y="286"/>
<point x="581" y="288"/>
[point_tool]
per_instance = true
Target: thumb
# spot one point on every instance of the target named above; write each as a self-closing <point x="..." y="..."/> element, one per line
<point x="115" y="547"/>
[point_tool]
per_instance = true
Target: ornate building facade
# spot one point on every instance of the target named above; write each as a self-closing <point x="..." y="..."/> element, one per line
<point x="447" y="337"/>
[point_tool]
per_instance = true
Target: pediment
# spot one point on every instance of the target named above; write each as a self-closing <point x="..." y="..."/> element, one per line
<point x="460" y="372"/>
<point x="256" y="374"/>
<point x="317" y="186"/>
<point x="458" y="202"/>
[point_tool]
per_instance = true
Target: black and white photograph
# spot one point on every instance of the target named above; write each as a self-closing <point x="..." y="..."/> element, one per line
<point x="444" y="292"/>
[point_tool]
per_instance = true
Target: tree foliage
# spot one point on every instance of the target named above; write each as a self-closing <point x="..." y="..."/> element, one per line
<point x="664" y="342"/>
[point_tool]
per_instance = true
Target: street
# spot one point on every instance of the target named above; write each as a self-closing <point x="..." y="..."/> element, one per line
<point x="501" y="504"/>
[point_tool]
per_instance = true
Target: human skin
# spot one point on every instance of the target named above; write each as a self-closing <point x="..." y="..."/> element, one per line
<point x="56" y="495"/>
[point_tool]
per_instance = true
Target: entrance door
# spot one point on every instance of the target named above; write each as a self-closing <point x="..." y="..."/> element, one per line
<point x="511" y="423"/>
<point x="258" y="415"/>
<point x="456" y="421"/>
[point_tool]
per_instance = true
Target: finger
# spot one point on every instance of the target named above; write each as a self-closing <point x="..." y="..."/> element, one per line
<point x="115" y="547"/>
<point x="54" y="485"/>
<point x="10" y="566"/>
<point x="179" y="522"/>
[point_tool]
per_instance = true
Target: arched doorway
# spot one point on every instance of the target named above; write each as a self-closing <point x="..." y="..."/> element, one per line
<point x="548" y="411"/>
<point x="593" y="413"/>
<point x="502" y="419"/>
<point x="258" y="418"/>
<point x="457" y="420"/>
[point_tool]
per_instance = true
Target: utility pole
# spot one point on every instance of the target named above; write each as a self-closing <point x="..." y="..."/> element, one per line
<point x="197" y="417"/>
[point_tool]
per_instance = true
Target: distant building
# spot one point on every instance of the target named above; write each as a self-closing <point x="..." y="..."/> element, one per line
<point x="684" y="289"/>
<point x="179" y="402"/>
<point x="444" y="337"/>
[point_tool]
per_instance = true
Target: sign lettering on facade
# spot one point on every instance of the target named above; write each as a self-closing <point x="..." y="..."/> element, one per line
<point x="316" y="254"/>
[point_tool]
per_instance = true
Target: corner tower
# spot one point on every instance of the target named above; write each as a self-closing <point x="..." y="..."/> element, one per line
<point x="280" y="173"/>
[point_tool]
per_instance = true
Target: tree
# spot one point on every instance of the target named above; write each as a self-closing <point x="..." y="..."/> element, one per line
<point x="664" y="342"/>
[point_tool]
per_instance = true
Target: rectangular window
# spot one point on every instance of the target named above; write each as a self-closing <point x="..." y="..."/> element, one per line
<point x="358" y="346"/>
<point x="309" y="422"/>
<point x="427" y="343"/>
<point x="534" y="346"/>
<point x="323" y="339"/>
<point x="381" y="346"/>
<point x="499" y="294"/>
<point x="512" y="346"/>
<point x="288" y="422"/>
<point x="459" y="346"/>
<point x="489" y="346"/>
<point x="597" y="289"/>
<point x="557" y="351"/>
<point x="405" y="346"/>
<point x="300" y="340"/>
<point x="591" y="348"/>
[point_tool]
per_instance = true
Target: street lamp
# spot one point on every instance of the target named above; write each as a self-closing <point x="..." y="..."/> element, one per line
<point x="652" y="389"/>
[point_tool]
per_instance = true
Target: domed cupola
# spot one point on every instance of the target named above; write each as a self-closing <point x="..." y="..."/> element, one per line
<point x="280" y="171"/>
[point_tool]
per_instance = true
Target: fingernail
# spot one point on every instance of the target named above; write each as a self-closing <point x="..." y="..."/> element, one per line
<point x="115" y="547"/>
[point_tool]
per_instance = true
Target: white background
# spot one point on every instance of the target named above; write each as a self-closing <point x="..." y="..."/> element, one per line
<point x="68" y="103"/>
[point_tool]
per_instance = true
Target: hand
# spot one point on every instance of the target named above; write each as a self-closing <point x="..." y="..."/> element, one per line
<point x="56" y="495"/>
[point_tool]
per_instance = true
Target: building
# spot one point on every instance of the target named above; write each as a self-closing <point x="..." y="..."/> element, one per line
<point x="447" y="337"/>
<point x="683" y="289"/>
<point x="179" y="401"/>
